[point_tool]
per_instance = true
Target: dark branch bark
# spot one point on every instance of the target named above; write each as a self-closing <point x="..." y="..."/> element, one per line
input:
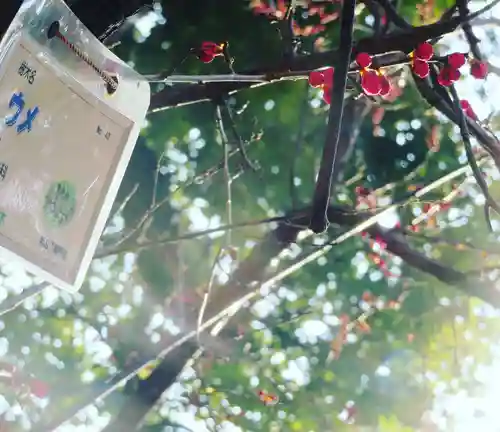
<point x="398" y="245"/>
<point x="322" y="192"/>
<point x="148" y="392"/>
<point x="488" y="141"/>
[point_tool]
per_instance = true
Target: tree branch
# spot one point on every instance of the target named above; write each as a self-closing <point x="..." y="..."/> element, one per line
<point x="323" y="189"/>
<point x="402" y="40"/>
<point x="488" y="141"/>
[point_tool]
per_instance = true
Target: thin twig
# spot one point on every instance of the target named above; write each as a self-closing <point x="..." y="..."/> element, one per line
<point x="286" y="219"/>
<point x="200" y="178"/>
<point x="285" y="30"/>
<point x="136" y="247"/>
<point x="464" y="132"/>
<point x="197" y="79"/>
<point x="157" y="174"/>
<point x="370" y="312"/>
<point x="298" y="143"/>
<point x="227" y="173"/>
<point x="166" y="74"/>
<point x="125" y="201"/>
<point x="239" y="142"/>
<point x="10" y="304"/>
<point x="206" y="294"/>
<point x="435" y="207"/>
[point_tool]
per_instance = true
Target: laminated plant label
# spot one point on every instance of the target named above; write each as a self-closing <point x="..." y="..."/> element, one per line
<point x="59" y="150"/>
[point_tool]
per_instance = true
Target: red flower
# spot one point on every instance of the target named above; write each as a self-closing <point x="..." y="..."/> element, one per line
<point x="469" y="112"/>
<point x="362" y="191"/>
<point x="371" y="82"/>
<point x="420" y="68"/>
<point x="456" y="60"/>
<point x="419" y="58"/>
<point x="478" y="69"/>
<point x="209" y="50"/>
<point x="367" y="296"/>
<point x="328" y="76"/>
<point x="268" y="398"/>
<point x="262" y="9"/>
<point x="363" y="60"/>
<point x="277" y="12"/>
<point x="39" y="388"/>
<point x="321" y="78"/>
<point x="424" y="51"/>
<point x="381" y="243"/>
<point x="316" y="78"/>
<point x="448" y="75"/>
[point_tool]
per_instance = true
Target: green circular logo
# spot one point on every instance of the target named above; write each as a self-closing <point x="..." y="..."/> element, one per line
<point x="60" y="203"/>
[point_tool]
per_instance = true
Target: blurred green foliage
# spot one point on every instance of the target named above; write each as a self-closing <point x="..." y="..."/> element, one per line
<point x="66" y="339"/>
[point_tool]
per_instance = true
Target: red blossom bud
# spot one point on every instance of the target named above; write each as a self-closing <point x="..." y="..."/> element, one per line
<point x="424" y="51"/>
<point x="363" y="60"/>
<point x="456" y="60"/>
<point x="478" y="69"/>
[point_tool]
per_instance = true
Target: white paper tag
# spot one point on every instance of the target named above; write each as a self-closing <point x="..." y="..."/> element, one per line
<point x="63" y="152"/>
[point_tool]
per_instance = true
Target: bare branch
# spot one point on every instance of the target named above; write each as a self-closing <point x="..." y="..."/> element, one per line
<point x="10" y="304"/>
<point x="142" y="245"/>
<point x="227" y="174"/>
<point x="241" y="147"/>
<point x="464" y="132"/>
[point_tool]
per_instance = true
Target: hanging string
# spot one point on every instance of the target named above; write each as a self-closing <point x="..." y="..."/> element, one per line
<point x="111" y="81"/>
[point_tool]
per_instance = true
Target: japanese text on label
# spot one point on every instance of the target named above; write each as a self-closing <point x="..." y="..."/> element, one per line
<point x="17" y="102"/>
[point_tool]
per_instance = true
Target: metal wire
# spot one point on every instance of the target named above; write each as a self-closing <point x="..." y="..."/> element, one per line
<point x="111" y="81"/>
